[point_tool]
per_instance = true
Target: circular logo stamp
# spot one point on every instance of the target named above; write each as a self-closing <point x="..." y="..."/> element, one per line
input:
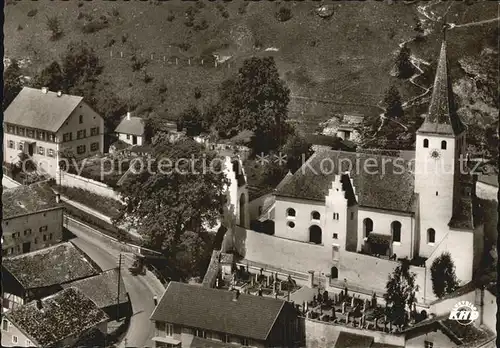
<point x="464" y="313"/>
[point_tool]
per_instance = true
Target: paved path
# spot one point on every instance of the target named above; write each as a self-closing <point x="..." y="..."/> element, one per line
<point x="141" y="289"/>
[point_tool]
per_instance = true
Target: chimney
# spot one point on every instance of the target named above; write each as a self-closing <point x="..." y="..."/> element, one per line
<point x="236" y="295"/>
<point x="45" y="90"/>
<point x="39" y="305"/>
<point x="128" y="115"/>
<point x="59" y="93"/>
<point x="58" y="198"/>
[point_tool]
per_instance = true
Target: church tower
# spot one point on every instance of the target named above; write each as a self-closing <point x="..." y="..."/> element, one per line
<point x="440" y="144"/>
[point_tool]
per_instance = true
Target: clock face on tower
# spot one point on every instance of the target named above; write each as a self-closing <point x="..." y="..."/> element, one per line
<point x="435" y="154"/>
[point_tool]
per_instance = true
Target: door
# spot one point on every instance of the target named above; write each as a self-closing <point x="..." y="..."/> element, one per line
<point x="31" y="149"/>
<point x="134" y="140"/>
<point x="26" y="247"/>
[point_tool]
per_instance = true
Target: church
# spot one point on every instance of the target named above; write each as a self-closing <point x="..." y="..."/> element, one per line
<point x="349" y="218"/>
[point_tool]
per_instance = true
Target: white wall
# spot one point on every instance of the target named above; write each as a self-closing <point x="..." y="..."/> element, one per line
<point x="72" y="124"/>
<point x="97" y="187"/>
<point x="53" y="219"/>
<point x="123" y="137"/>
<point x="382" y="225"/>
<point x="7" y="337"/>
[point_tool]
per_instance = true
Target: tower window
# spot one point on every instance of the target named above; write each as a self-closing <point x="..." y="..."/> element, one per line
<point x="315" y="215"/>
<point x="443" y="145"/>
<point x="80" y="119"/>
<point x="437" y="193"/>
<point x="431" y="236"/>
<point x="290" y="212"/>
<point x="290" y="224"/>
<point x="426" y="142"/>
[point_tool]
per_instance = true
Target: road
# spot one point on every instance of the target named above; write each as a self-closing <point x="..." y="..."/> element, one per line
<point x="141" y="289"/>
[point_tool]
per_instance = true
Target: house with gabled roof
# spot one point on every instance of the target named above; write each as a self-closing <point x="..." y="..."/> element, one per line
<point x="60" y="320"/>
<point x="32" y="219"/>
<point x="42" y="123"/>
<point x="199" y="316"/>
<point x="108" y="292"/>
<point x="352" y="217"/>
<point x="42" y="273"/>
<point x="131" y="130"/>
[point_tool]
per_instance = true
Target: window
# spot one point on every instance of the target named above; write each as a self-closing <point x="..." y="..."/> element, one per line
<point x="80" y="119"/>
<point x="426" y="142"/>
<point x="44" y="238"/>
<point x="41" y="135"/>
<point x="335" y="236"/>
<point x="443" y="145"/>
<point x="5" y="325"/>
<point x="94" y="131"/>
<point x="335" y="216"/>
<point x="396" y="231"/>
<point x="431" y="236"/>
<point x="36" y="241"/>
<point x="51" y="137"/>
<point x="50" y="236"/>
<point x="27" y="231"/>
<point x="11" y="144"/>
<point x="367" y="226"/>
<point x="169" y="329"/>
<point x="244" y="341"/>
<point x="67" y="136"/>
<point x="315" y="215"/>
<point x="290" y="224"/>
<point x="437" y="193"/>
<point x="14" y="339"/>
<point x="290" y="212"/>
<point x="200" y="333"/>
<point x="128" y="136"/>
<point x="428" y="344"/>
<point x="82" y="133"/>
<point x="42" y="229"/>
<point x="315" y="234"/>
<point x="10" y="129"/>
<point x="94" y="146"/>
<point x="80" y="149"/>
<point x="28" y="343"/>
<point x="352" y="215"/>
<point x="50" y="153"/>
<point x="41" y="150"/>
<point x="20" y="146"/>
<point x="20" y="131"/>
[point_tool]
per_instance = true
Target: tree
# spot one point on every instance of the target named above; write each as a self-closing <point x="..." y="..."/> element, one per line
<point x="257" y="100"/>
<point x="392" y="102"/>
<point x="52" y="77"/>
<point x="192" y="120"/>
<point x="400" y="294"/>
<point x="404" y="66"/>
<point x="418" y="28"/>
<point x="296" y="149"/>
<point x="168" y="201"/>
<point x="80" y="64"/>
<point x="444" y="280"/>
<point x="12" y="83"/>
<point x="54" y="25"/>
<point x="25" y="163"/>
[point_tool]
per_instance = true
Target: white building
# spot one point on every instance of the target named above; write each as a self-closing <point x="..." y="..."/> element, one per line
<point x="32" y="219"/>
<point x="41" y="123"/>
<point x="346" y="215"/>
<point x="131" y="130"/>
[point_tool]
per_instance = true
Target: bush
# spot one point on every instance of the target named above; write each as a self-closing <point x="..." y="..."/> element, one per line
<point x="138" y="64"/>
<point x="124" y="38"/>
<point x="32" y="13"/>
<point x="19" y="27"/>
<point x="284" y="14"/>
<point x="201" y="25"/>
<point x="170" y="17"/>
<point x="115" y="12"/>
<point x="80" y="4"/>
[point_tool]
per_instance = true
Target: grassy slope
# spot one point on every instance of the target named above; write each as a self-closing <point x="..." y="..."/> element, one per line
<point x="346" y="57"/>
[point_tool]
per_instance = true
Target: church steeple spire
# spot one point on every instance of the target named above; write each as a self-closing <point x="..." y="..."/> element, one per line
<point x="442" y="117"/>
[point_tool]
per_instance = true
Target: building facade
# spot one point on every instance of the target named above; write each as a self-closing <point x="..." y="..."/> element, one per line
<point x="131" y="130"/>
<point x="344" y="204"/>
<point x="194" y="316"/>
<point x="32" y="219"/>
<point x="42" y="124"/>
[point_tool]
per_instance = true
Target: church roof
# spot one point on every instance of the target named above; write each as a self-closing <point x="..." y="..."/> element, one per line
<point x="381" y="182"/>
<point x="442" y="117"/>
